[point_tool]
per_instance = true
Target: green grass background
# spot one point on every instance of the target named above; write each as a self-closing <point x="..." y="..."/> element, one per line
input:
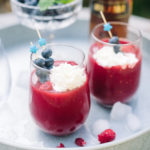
<point x="140" y="7"/>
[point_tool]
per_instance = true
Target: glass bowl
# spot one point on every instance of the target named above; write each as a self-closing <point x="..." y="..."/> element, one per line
<point x="55" y="17"/>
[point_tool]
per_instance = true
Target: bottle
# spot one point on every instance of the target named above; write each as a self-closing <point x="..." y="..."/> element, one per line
<point x="4" y="6"/>
<point x="114" y="10"/>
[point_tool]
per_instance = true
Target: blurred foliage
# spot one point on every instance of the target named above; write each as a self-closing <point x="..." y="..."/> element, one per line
<point x="140" y="7"/>
<point x="86" y="2"/>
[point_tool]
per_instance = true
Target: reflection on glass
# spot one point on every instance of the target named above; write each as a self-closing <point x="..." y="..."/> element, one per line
<point x="5" y="79"/>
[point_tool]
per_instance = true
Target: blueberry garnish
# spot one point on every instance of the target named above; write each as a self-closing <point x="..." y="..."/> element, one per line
<point x="116" y="48"/>
<point x="39" y="62"/>
<point x="114" y="40"/>
<point x="46" y="62"/>
<point x="49" y="63"/>
<point x="47" y="53"/>
<point x="31" y="2"/>
<point x="43" y="76"/>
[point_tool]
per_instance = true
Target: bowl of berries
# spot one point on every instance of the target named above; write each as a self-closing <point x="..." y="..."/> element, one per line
<point x="47" y="15"/>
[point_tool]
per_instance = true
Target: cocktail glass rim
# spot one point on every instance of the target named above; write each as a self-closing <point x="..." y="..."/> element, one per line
<point x="139" y="34"/>
<point x="56" y="44"/>
<point x="50" y="8"/>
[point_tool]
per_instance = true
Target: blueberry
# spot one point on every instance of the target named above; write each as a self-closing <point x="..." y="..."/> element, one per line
<point x="39" y="62"/>
<point x="31" y="2"/>
<point x="114" y="40"/>
<point x="116" y="48"/>
<point x="43" y="76"/>
<point x="49" y="63"/>
<point x="47" y="53"/>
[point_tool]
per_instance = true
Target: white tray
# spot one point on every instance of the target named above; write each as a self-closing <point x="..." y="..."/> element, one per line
<point x="18" y="131"/>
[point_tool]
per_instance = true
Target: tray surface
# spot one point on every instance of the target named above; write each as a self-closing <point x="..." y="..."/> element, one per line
<point x="23" y="132"/>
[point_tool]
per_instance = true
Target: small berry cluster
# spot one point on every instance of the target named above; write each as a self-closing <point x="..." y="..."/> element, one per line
<point x="45" y="62"/>
<point x="61" y="145"/>
<point x="80" y="142"/>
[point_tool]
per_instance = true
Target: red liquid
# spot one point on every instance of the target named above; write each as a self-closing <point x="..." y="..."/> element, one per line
<point x="59" y="113"/>
<point x="110" y="85"/>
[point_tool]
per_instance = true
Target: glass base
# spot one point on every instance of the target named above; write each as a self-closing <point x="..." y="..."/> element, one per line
<point x="130" y="100"/>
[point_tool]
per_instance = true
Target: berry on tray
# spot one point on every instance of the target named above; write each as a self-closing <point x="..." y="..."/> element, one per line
<point x="107" y="136"/>
<point x="46" y="53"/>
<point x="61" y="145"/>
<point x="39" y="62"/>
<point x="80" y="142"/>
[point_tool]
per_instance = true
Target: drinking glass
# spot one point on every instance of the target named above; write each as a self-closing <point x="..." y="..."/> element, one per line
<point x="112" y="83"/>
<point x="58" y="112"/>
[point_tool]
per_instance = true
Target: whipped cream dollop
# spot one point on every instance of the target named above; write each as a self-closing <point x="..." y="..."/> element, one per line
<point x="67" y="77"/>
<point x="106" y="57"/>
